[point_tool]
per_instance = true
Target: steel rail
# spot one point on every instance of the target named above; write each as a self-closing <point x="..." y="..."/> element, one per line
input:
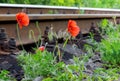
<point x="35" y="6"/>
<point x="55" y="7"/>
<point x="44" y="9"/>
<point x="57" y="21"/>
<point x="100" y="9"/>
<point x="11" y="17"/>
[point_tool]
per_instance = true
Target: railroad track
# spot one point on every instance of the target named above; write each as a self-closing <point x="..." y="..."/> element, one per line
<point x="54" y="16"/>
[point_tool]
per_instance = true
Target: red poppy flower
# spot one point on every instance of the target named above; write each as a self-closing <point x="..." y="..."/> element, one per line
<point x="41" y="48"/>
<point x="73" y="29"/>
<point x="22" y="19"/>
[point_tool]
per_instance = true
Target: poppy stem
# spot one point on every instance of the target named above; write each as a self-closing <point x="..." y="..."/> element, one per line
<point x="114" y="18"/>
<point x="58" y="52"/>
<point x="39" y="30"/>
<point x="65" y="42"/>
<point x="31" y="34"/>
<point x="18" y="34"/>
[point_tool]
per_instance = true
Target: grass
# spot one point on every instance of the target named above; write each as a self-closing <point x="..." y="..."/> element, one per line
<point x="109" y="46"/>
<point x="4" y="76"/>
<point x="45" y="64"/>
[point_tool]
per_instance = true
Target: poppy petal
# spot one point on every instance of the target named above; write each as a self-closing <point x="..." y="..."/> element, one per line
<point x="25" y="20"/>
<point x="73" y="29"/>
<point x="22" y="19"/>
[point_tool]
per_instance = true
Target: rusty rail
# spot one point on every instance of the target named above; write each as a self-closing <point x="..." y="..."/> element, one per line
<point x="11" y="17"/>
<point x="57" y="21"/>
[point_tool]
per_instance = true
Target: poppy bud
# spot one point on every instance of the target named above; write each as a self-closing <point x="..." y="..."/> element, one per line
<point x="41" y="48"/>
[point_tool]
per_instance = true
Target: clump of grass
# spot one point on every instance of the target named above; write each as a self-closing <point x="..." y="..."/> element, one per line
<point x="39" y="64"/>
<point x="44" y="64"/>
<point x="4" y="76"/>
<point x="109" y="46"/>
<point x="101" y="74"/>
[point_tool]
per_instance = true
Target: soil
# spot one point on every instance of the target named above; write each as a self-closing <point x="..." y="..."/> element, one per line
<point x="10" y="63"/>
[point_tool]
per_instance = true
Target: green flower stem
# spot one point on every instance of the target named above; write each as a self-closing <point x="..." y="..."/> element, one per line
<point x="31" y="34"/>
<point x="19" y="38"/>
<point x="39" y="37"/>
<point x="37" y="25"/>
<point x="58" y="52"/>
<point x="65" y="42"/>
<point x="114" y="18"/>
